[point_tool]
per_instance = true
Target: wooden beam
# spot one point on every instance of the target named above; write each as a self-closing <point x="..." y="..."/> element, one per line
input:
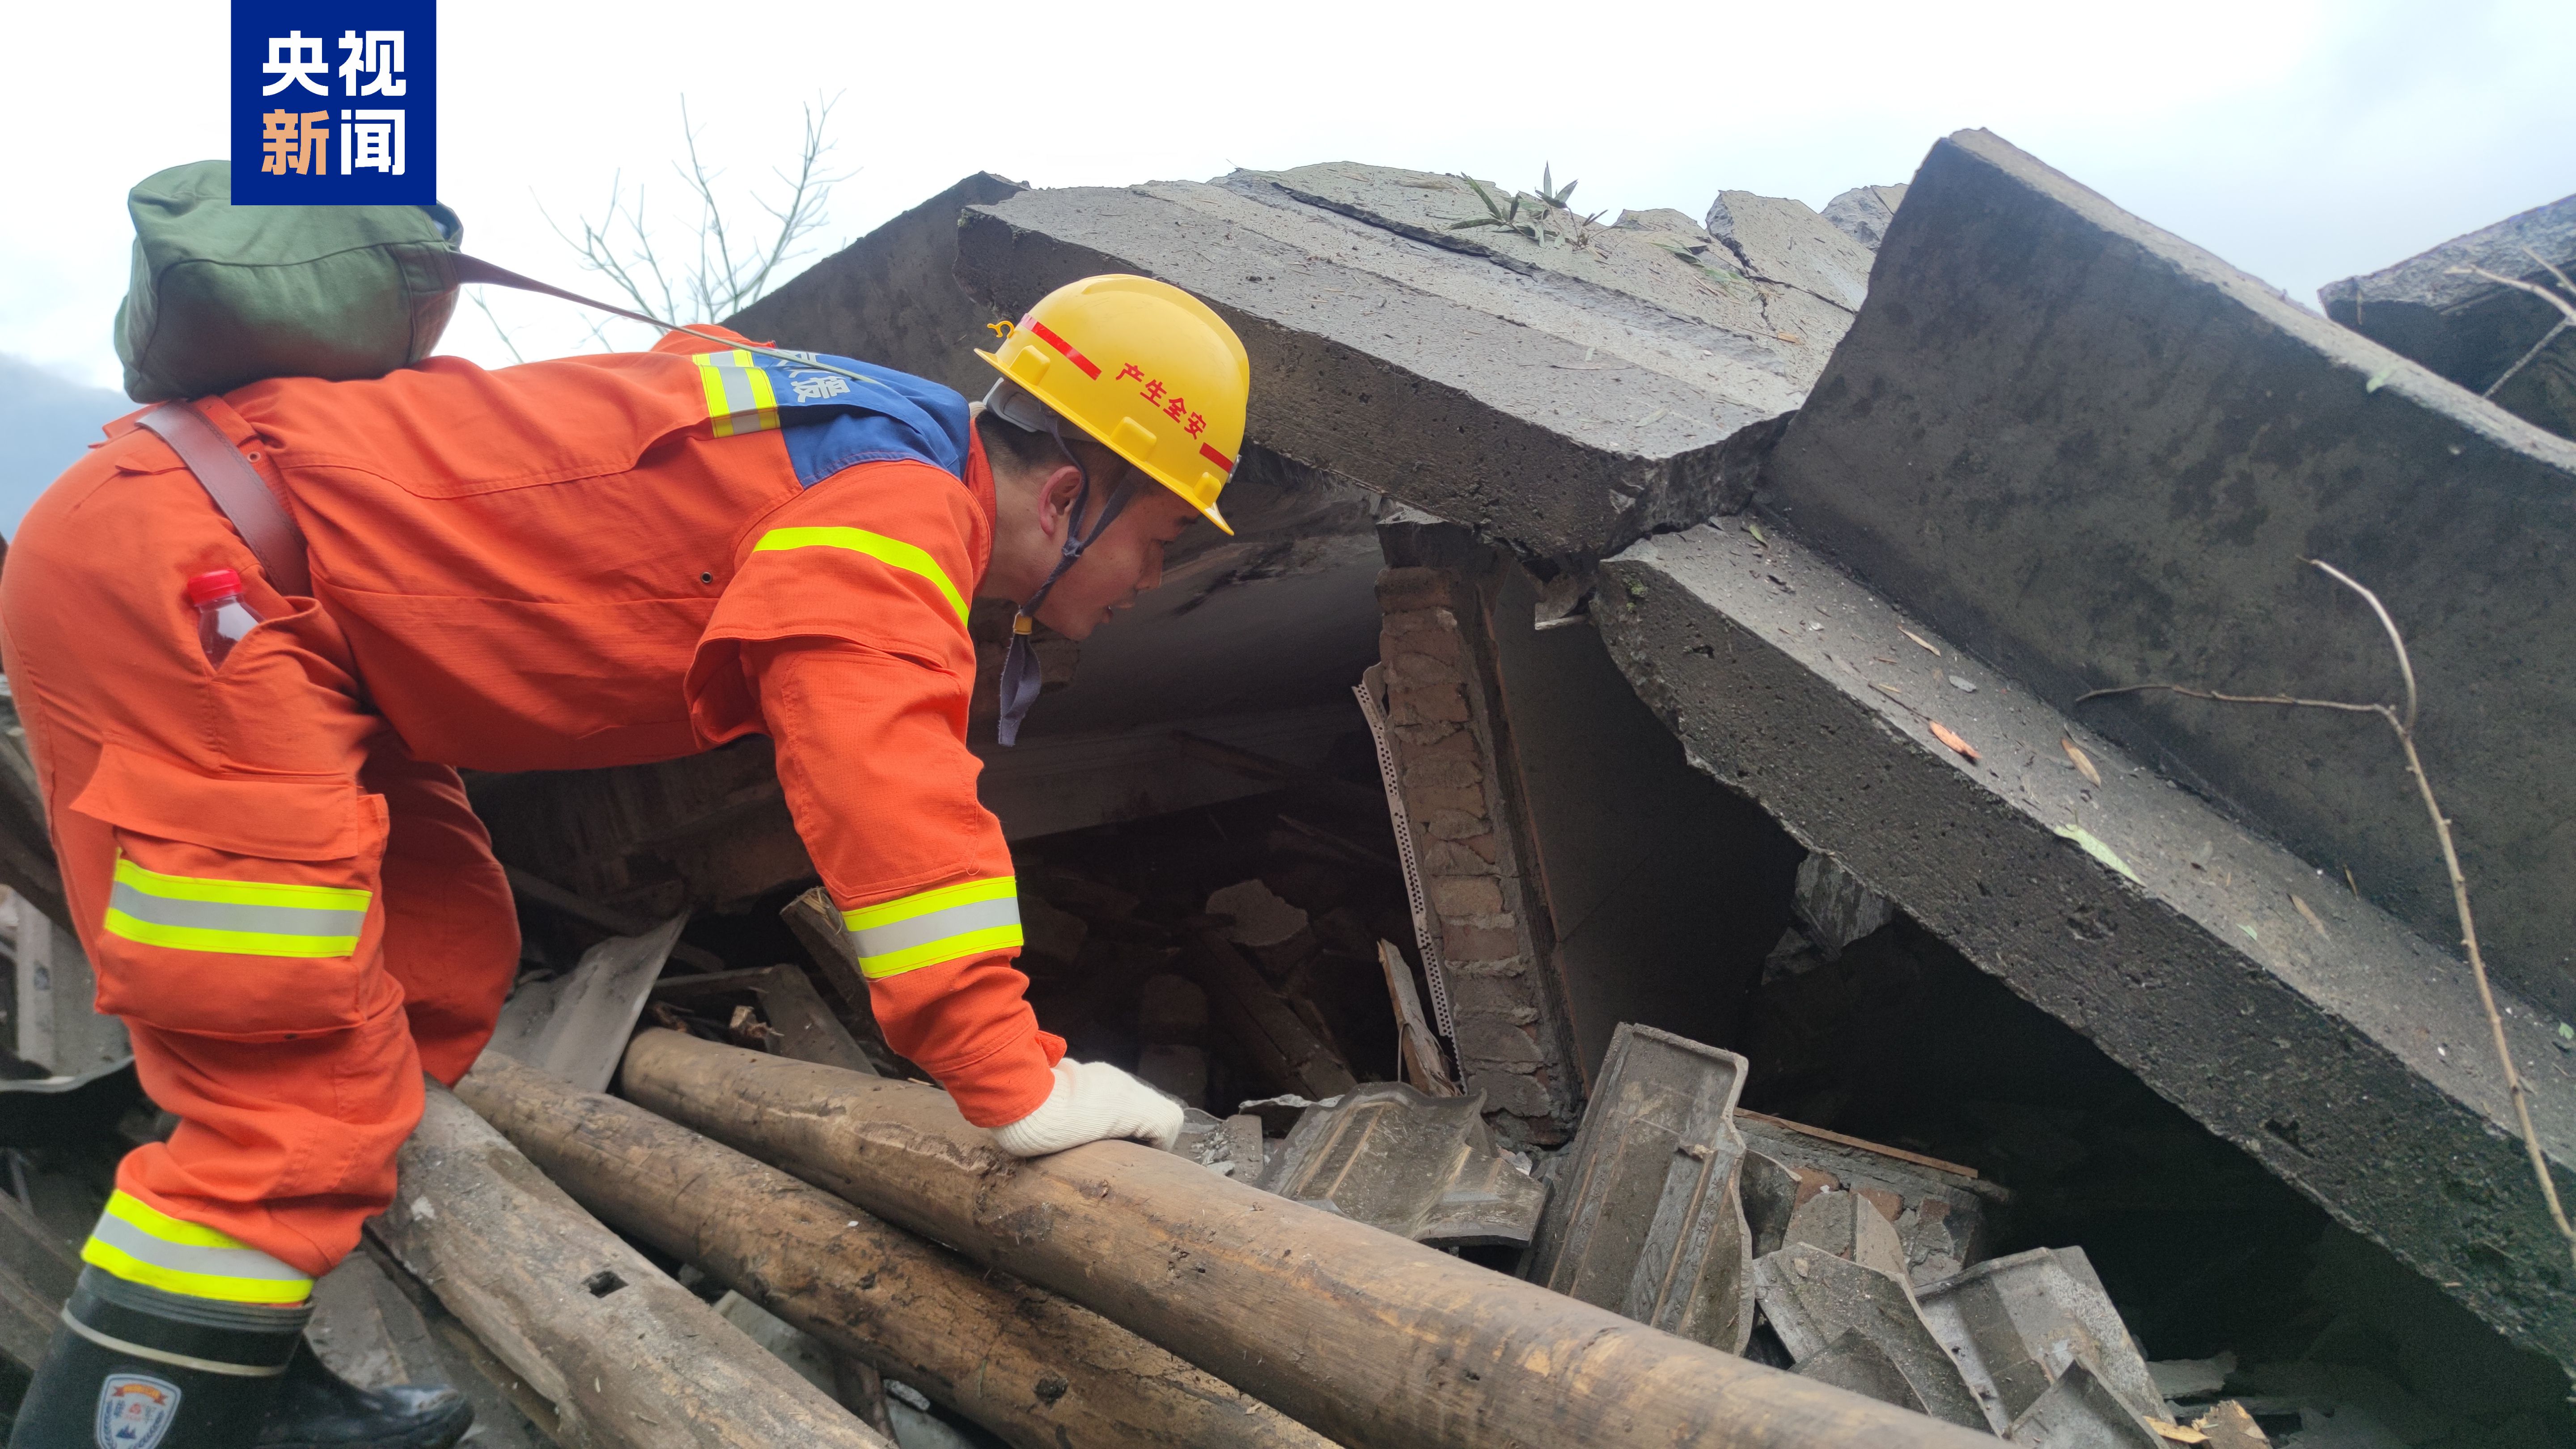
<point x="628" y="1358"/>
<point x="1028" y="1365"/>
<point x="1370" y="1340"/>
<point x="1262" y="1022"/>
<point x="816" y="924"/>
<point x="529" y="887"/>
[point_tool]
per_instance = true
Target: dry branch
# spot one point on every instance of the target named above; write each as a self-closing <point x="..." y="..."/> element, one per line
<point x="2403" y="724"/>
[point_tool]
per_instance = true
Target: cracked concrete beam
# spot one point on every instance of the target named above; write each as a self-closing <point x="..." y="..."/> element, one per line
<point x="2344" y="1053"/>
<point x="1566" y="400"/>
<point x="2497" y="341"/>
<point x="890" y="297"/>
<point x="2098" y="455"/>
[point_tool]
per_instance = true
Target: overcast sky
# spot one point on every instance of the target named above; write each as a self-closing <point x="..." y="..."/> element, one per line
<point x="2302" y="141"/>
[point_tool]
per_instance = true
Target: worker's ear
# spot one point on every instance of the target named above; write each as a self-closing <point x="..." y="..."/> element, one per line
<point x="1057" y="496"/>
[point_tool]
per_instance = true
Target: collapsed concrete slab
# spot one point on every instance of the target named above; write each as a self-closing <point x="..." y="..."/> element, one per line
<point x="2097" y="455"/>
<point x="891" y="297"/>
<point x="1568" y="388"/>
<point x="1863" y="212"/>
<point x="2302" y="1024"/>
<point x="2497" y="341"/>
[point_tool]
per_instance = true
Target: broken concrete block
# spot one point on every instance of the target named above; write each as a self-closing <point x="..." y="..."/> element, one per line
<point x="2191" y="1378"/>
<point x="1812" y="1299"/>
<point x="1834" y="907"/>
<point x="2016" y="1323"/>
<point x="2495" y="340"/>
<point x="1619" y="396"/>
<point x="1785" y="242"/>
<point x="1051" y="932"/>
<point x="1175" y="1071"/>
<point x="2229" y="1426"/>
<point x="1263" y="1023"/>
<point x="1421" y="1167"/>
<point x="1646" y="1219"/>
<point x="2187" y="962"/>
<point x="2078" y="1412"/>
<point x="2097" y="455"/>
<point x="1849" y="1226"/>
<point x="1171" y="1010"/>
<point x="1863" y="212"/>
<point x="1271" y="931"/>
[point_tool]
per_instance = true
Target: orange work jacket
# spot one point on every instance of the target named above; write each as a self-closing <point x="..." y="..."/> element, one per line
<point x="614" y="559"/>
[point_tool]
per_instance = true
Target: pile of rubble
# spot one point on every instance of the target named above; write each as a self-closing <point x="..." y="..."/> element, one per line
<point x="1648" y="683"/>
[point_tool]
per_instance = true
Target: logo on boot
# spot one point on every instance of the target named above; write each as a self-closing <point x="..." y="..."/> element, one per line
<point x="135" y="1411"/>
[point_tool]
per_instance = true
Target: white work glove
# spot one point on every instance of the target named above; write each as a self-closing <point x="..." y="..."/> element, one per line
<point x="1092" y="1102"/>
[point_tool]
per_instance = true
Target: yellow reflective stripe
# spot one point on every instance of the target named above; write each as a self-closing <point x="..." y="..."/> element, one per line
<point x="167" y="1228"/>
<point x="195" y="1285"/>
<point x="904" y="908"/>
<point x="946" y="948"/>
<point x="947" y="923"/>
<point x="236" y="917"/>
<point x="142" y="1244"/>
<point x="893" y="552"/>
<point x="754" y="410"/>
<point x="241" y="892"/>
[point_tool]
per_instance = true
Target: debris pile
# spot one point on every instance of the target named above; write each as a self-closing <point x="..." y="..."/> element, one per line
<point x="1635" y="977"/>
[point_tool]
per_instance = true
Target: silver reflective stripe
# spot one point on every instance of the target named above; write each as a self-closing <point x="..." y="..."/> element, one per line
<point x="734" y="380"/>
<point x="192" y="1259"/>
<point x="932" y="926"/>
<point x="162" y="1355"/>
<point x="232" y="916"/>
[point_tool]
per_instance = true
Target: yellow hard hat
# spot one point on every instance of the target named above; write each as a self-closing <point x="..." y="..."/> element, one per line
<point x="1145" y="368"/>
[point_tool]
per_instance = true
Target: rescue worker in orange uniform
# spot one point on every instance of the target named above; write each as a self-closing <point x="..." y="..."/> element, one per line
<point x="596" y="561"/>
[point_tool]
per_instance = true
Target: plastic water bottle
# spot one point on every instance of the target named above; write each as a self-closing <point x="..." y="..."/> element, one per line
<point x="222" y="617"/>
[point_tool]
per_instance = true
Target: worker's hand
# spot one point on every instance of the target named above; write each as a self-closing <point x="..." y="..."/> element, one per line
<point x="1092" y="1102"/>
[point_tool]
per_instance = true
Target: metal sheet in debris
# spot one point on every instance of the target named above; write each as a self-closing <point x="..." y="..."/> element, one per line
<point x="1422" y="1167"/>
<point x="1647" y="1221"/>
<point x="576" y="1026"/>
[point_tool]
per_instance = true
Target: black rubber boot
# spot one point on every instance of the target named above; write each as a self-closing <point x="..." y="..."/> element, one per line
<point x="136" y="1368"/>
<point x="317" y="1409"/>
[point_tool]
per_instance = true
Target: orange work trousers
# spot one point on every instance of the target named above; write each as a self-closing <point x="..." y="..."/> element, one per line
<point x="294" y="917"/>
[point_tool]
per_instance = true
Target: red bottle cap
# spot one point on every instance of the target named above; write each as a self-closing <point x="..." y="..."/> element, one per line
<point x="213" y="586"/>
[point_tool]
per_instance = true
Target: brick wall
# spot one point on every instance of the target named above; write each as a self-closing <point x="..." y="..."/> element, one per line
<point x="1448" y="736"/>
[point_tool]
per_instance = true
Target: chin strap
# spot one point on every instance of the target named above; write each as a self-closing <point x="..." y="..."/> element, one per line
<point x="1021" y="677"/>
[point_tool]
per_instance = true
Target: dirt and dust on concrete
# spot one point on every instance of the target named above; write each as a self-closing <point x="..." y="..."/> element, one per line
<point x="1624" y="815"/>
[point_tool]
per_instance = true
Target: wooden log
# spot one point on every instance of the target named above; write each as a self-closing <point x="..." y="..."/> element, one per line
<point x="1264" y="1024"/>
<point x="1370" y="1340"/>
<point x="628" y="1358"/>
<point x="1039" y="1371"/>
